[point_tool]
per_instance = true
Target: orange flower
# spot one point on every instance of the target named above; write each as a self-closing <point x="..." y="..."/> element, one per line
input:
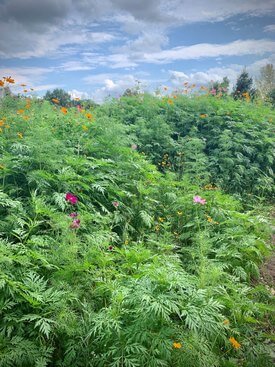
<point x="1" y="123"/>
<point x="25" y="90"/>
<point x="9" y="80"/>
<point x="28" y="106"/>
<point x="2" y="83"/>
<point x="23" y="85"/>
<point x="89" y="115"/>
<point x="175" y="97"/>
<point x="234" y="343"/>
<point x="55" y="100"/>
<point x="20" y="135"/>
<point x="19" y="112"/>
<point x="177" y="345"/>
<point x="64" y="110"/>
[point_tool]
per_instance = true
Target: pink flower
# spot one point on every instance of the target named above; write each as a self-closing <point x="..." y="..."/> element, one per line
<point x="73" y="215"/>
<point x="213" y="91"/>
<point x="134" y="146"/>
<point x="71" y="198"/>
<point x="198" y="200"/>
<point x="75" y="224"/>
<point x="115" y="204"/>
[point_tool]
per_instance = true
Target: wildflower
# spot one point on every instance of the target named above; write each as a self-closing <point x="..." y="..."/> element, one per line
<point x="20" y="135"/>
<point x="213" y="92"/>
<point x="25" y="90"/>
<point x="198" y="200"/>
<point x="2" y="123"/>
<point x="203" y="115"/>
<point x="9" y="80"/>
<point x="64" y="110"/>
<point x="75" y="224"/>
<point x="89" y="115"/>
<point x="157" y="228"/>
<point x="226" y="322"/>
<point x="177" y="345"/>
<point x="19" y="112"/>
<point x="160" y="219"/>
<point x="110" y="248"/>
<point x="134" y="146"/>
<point x="79" y="108"/>
<point x="23" y="85"/>
<point x="179" y="213"/>
<point x="115" y="204"/>
<point x="71" y="198"/>
<point x="84" y="127"/>
<point x="234" y="343"/>
<point x="2" y="83"/>
<point x="170" y="101"/>
<point x="55" y="100"/>
<point x="209" y="219"/>
<point x="73" y="214"/>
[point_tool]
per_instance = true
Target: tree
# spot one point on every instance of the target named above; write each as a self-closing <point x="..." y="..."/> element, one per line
<point x="266" y="81"/>
<point x="60" y="95"/>
<point x="244" y="87"/>
<point x="221" y="87"/>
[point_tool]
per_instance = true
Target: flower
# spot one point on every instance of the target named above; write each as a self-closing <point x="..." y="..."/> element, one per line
<point x="170" y="101"/>
<point x="25" y="90"/>
<point x="134" y="146"/>
<point x="115" y="204"/>
<point x="64" y="110"/>
<point x="234" y="343"/>
<point x="75" y="224"/>
<point x="2" y="83"/>
<point x="110" y="248"/>
<point x="198" y="200"/>
<point x="177" y="345"/>
<point x="213" y="92"/>
<point x="179" y="212"/>
<point x="226" y="322"/>
<point x="203" y="115"/>
<point x="23" y="85"/>
<point x="20" y="135"/>
<point x="55" y="100"/>
<point x="73" y="214"/>
<point x="84" y="128"/>
<point x="89" y="115"/>
<point x="71" y="198"/>
<point x="19" y="112"/>
<point x="9" y="80"/>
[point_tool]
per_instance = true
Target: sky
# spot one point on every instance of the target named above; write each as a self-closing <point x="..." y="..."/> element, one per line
<point x="98" y="48"/>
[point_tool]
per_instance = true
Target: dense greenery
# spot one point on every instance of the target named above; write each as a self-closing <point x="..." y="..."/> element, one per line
<point x="117" y="247"/>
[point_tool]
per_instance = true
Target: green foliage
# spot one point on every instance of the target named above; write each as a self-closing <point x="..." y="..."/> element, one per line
<point x="59" y="94"/>
<point x="148" y="278"/>
<point x="244" y="87"/>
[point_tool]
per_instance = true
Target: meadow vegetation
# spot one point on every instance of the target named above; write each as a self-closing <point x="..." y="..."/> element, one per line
<point x="131" y="233"/>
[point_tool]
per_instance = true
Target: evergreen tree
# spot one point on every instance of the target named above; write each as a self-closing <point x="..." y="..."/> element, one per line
<point x="266" y="81"/>
<point x="244" y="87"/>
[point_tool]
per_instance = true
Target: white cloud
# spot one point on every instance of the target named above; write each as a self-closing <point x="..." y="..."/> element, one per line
<point x="269" y="28"/>
<point x="74" y="93"/>
<point x="236" y="48"/>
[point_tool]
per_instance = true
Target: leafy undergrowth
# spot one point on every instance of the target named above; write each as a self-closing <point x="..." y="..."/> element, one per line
<point x="106" y="261"/>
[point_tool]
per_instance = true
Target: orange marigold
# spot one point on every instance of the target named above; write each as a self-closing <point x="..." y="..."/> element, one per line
<point x="89" y="115"/>
<point x="177" y="345"/>
<point x="64" y="110"/>
<point x="2" y="83"/>
<point x="9" y="80"/>
<point x="234" y="343"/>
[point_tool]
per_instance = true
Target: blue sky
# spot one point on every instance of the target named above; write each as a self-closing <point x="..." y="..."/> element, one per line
<point x="97" y="48"/>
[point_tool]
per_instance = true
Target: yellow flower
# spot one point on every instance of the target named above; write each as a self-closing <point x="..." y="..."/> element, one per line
<point x="226" y="322"/>
<point x="126" y="242"/>
<point x="179" y="212"/>
<point x="19" y="112"/>
<point x="177" y="345"/>
<point x="170" y="101"/>
<point x="84" y="127"/>
<point x="157" y="228"/>
<point x="234" y="343"/>
<point x="203" y="115"/>
<point x="20" y="135"/>
<point x="160" y="219"/>
<point x="89" y="115"/>
<point x="1" y="122"/>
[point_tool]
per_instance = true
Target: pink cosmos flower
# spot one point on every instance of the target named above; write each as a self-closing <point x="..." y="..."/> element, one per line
<point x="75" y="224"/>
<point x="213" y="91"/>
<point x="73" y="215"/>
<point x="198" y="200"/>
<point x="115" y="204"/>
<point x="71" y="198"/>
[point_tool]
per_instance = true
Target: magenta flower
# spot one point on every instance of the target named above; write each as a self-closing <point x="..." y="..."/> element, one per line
<point x="213" y="91"/>
<point x="198" y="200"/>
<point x="73" y="215"/>
<point x="75" y="224"/>
<point x="115" y="204"/>
<point x="71" y="198"/>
